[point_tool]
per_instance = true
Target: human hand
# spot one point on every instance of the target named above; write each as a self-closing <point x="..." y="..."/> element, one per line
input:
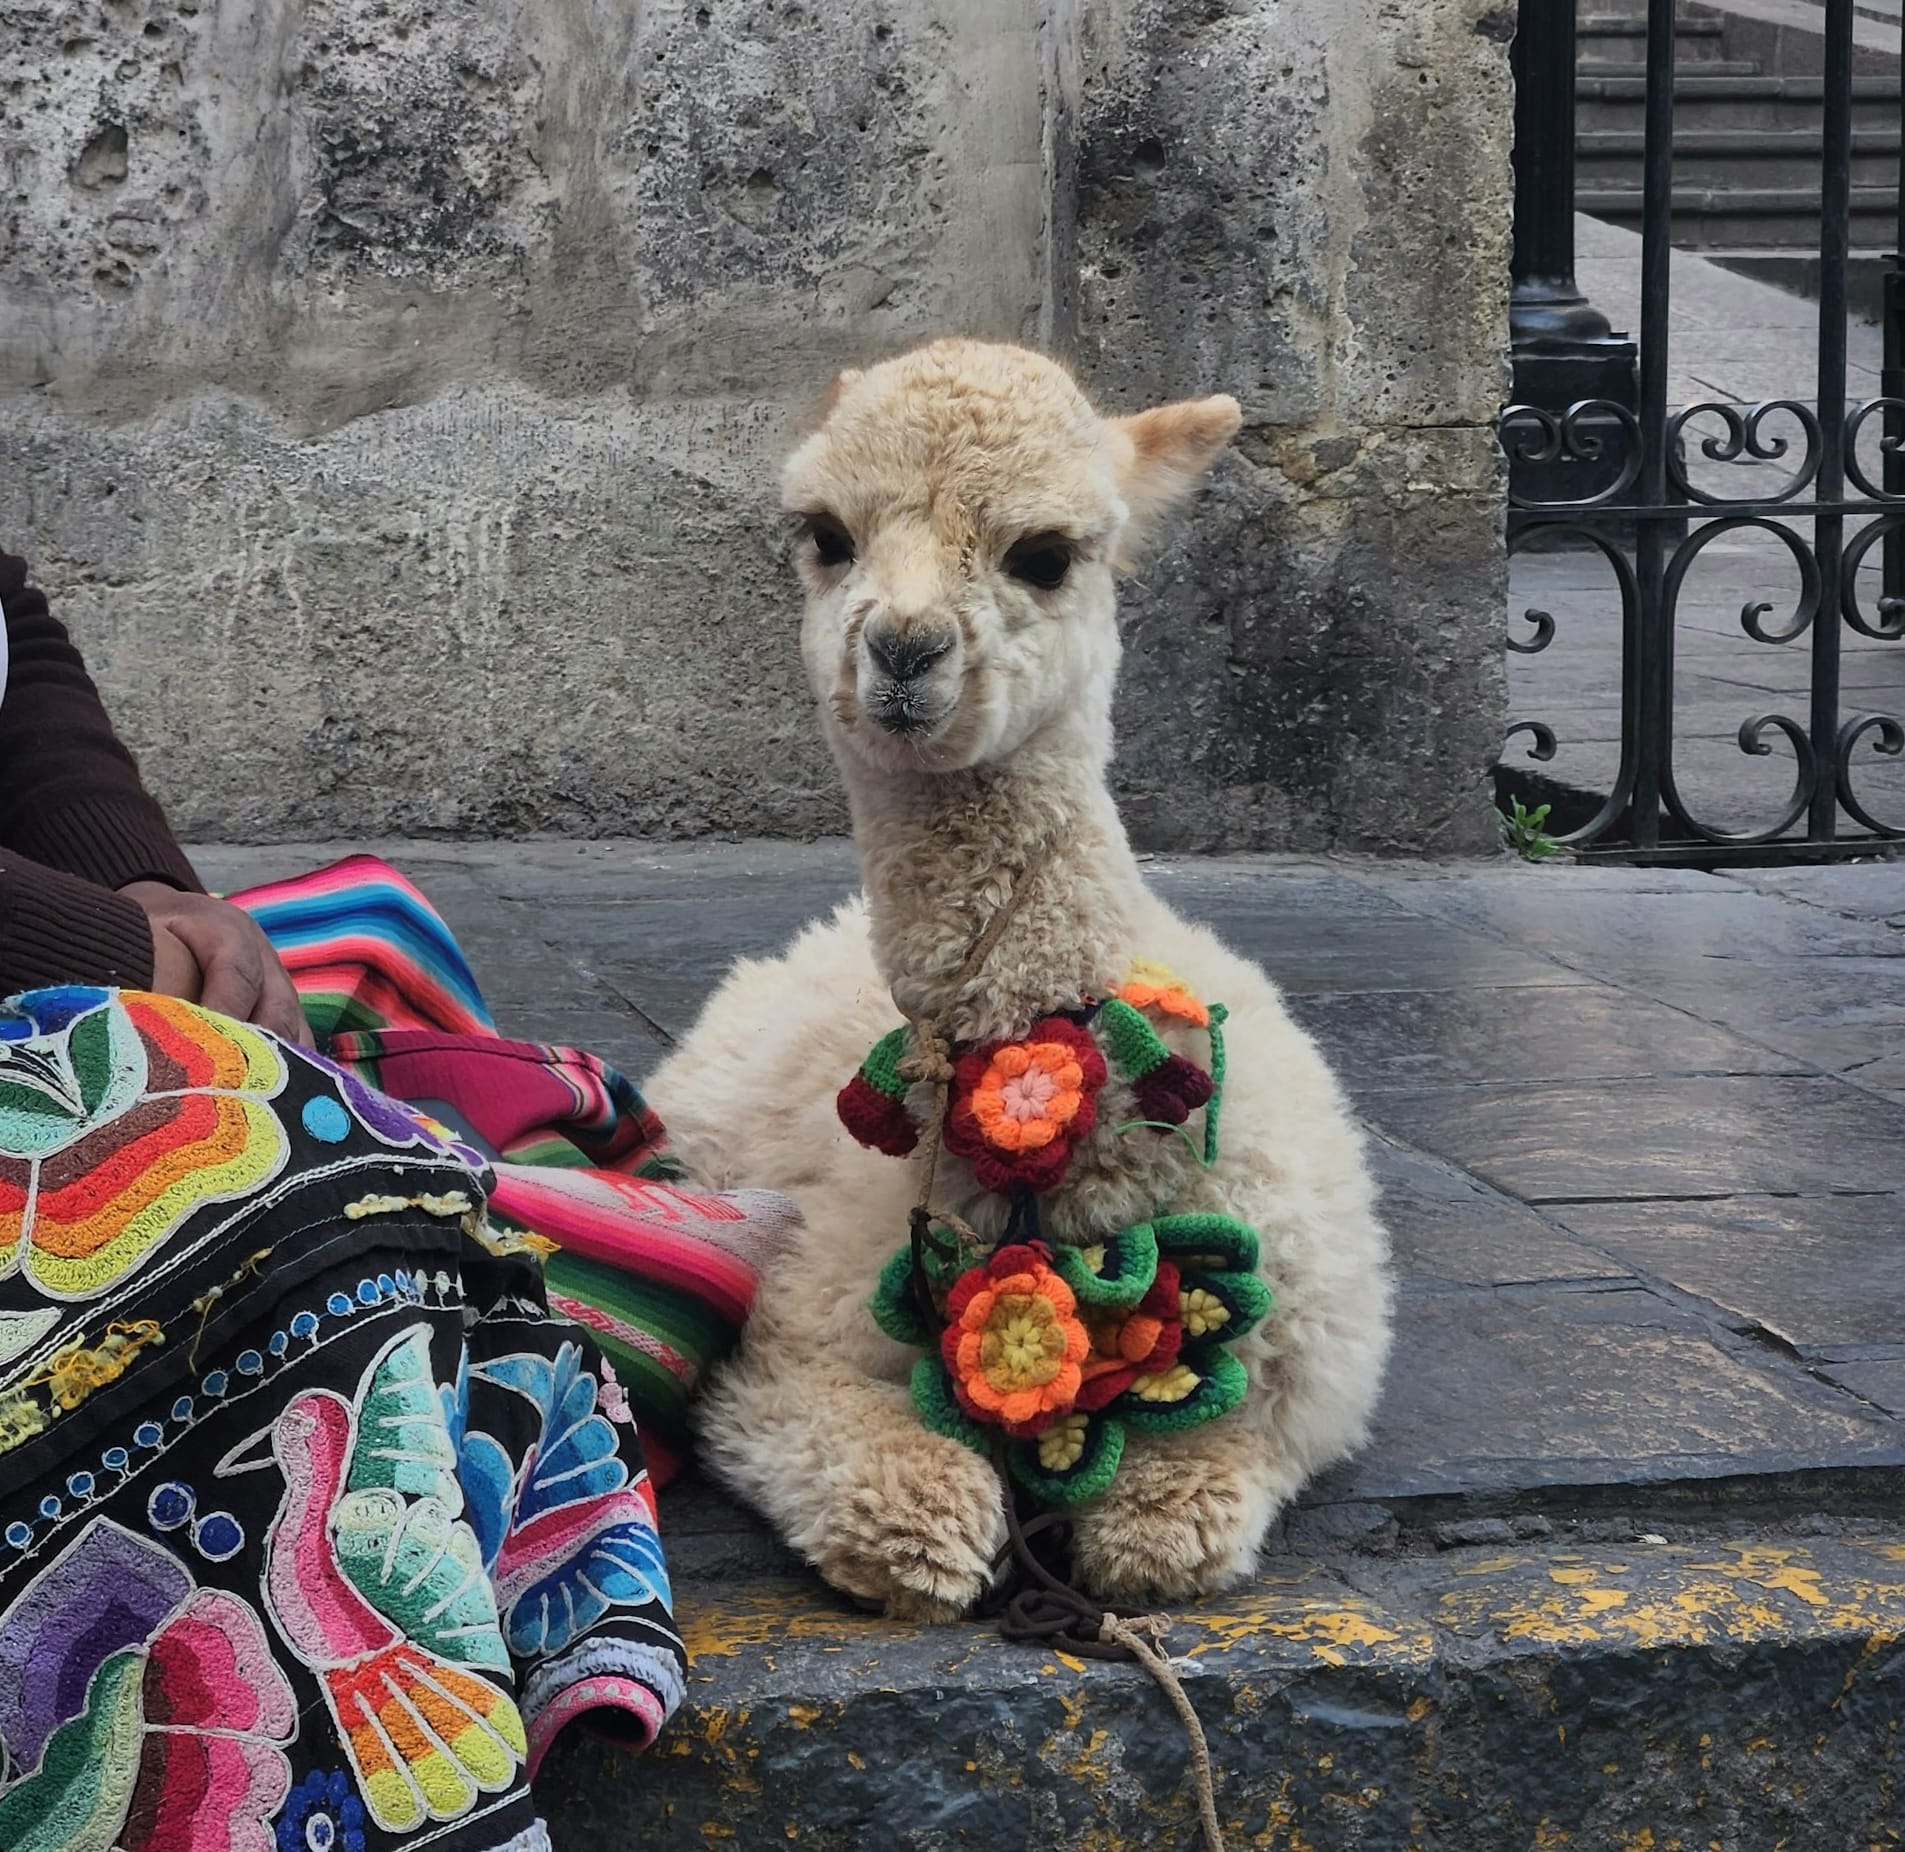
<point x="212" y="953"/>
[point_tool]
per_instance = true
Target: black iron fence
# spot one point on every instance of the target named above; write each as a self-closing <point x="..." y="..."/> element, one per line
<point x="1621" y="478"/>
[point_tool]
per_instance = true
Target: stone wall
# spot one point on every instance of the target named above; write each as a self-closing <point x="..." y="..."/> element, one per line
<point x="390" y="392"/>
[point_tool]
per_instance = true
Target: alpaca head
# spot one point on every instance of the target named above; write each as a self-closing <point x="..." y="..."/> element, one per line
<point x="963" y="510"/>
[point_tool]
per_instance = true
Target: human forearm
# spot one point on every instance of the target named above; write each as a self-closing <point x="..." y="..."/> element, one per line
<point x="70" y="794"/>
<point x="56" y="928"/>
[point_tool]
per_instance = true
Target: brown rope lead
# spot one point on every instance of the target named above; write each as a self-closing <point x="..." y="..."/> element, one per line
<point x="1048" y="1610"/>
<point x="1051" y="1612"/>
<point x="1141" y="1638"/>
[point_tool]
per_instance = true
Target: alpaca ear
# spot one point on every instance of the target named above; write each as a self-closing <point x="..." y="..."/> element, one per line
<point x="850" y="377"/>
<point x="1161" y="454"/>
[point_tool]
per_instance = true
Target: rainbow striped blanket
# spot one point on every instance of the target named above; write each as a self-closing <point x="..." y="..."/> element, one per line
<point x="661" y="1274"/>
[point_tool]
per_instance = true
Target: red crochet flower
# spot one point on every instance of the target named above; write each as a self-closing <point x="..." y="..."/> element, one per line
<point x="1019" y="1108"/>
<point x="1140" y="1342"/>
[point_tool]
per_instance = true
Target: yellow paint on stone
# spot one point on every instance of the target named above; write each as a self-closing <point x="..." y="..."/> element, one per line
<point x="779" y="1613"/>
<point x="1734" y="1594"/>
<point x="1309" y="1609"/>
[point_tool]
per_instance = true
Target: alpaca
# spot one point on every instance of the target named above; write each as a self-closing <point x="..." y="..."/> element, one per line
<point x="962" y="511"/>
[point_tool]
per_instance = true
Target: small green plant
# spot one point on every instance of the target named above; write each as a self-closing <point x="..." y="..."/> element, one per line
<point x="1522" y="831"/>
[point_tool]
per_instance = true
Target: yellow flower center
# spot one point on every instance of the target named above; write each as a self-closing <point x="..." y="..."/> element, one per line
<point x="1062" y="1445"/>
<point x="1171" y="1385"/>
<point x="1024" y="1343"/>
<point x="1202" y="1311"/>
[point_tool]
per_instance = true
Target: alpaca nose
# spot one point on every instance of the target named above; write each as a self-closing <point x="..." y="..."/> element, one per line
<point x="905" y="655"/>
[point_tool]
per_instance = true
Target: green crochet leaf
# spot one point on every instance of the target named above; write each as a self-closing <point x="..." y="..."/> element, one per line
<point x="895" y="1306"/>
<point x="1134" y="1046"/>
<point x="1207" y="1243"/>
<point x="881" y="1069"/>
<point x="1204" y="1383"/>
<point x="1222" y="1306"/>
<point x="1113" y="1274"/>
<point x="1040" y="1464"/>
<point x="939" y="1407"/>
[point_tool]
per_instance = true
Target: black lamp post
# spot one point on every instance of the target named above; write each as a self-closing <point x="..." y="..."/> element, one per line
<point x="1892" y="386"/>
<point x="1563" y="348"/>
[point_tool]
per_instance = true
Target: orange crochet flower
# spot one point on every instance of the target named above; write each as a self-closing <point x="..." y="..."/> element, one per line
<point x="1031" y="1092"/>
<point x="1014" y="1342"/>
<point x="1019" y="1107"/>
<point x="1156" y="987"/>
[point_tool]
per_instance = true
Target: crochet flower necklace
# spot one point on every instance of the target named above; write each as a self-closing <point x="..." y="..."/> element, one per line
<point x="1055" y="1351"/>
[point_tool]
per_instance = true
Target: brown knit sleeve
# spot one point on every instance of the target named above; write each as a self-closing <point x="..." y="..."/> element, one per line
<point x="58" y="929"/>
<point x="70" y="794"/>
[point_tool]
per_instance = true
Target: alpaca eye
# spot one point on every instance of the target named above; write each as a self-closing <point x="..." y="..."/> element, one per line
<point x="1041" y="564"/>
<point x="833" y="545"/>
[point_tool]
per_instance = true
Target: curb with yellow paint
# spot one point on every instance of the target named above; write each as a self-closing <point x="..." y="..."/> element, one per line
<point x="1660" y="1697"/>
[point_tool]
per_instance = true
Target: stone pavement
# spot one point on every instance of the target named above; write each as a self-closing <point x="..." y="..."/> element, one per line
<point x="1738" y="342"/>
<point x="1626" y="1555"/>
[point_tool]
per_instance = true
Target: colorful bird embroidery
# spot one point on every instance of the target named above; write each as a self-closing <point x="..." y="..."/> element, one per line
<point x="378" y="1585"/>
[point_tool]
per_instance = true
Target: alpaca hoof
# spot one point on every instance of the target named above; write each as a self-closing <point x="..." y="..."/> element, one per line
<point x="1169" y="1529"/>
<point x="917" y="1533"/>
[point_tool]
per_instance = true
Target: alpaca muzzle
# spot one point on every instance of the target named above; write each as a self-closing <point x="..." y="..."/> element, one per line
<point x="898" y="694"/>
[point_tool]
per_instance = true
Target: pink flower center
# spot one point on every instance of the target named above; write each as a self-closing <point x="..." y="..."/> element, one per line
<point x="1029" y="1095"/>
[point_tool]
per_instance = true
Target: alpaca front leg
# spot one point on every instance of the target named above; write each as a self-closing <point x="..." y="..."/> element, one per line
<point x="886" y="1510"/>
<point x="1185" y="1516"/>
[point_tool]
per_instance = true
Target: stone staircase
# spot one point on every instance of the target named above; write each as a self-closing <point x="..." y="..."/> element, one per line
<point x="1747" y="134"/>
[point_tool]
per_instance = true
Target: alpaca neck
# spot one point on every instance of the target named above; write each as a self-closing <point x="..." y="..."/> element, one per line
<point x="942" y="855"/>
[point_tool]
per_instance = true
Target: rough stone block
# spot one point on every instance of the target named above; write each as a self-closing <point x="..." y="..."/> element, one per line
<point x="391" y="394"/>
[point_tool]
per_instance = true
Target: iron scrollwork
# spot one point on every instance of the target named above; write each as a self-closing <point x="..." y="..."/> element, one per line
<point x="1888" y="626"/>
<point x="1531" y="435"/>
<point x="1745" y="439"/>
<point x="1890" y="741"/>
<point x="1891" y="445"/>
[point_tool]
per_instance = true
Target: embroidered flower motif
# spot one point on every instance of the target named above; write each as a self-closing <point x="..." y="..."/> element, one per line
<point x="120" y="1116"/>
<point x="1014" y="1342"/>
<point x="574" y="1535"/>
<point x="1069" y="1348"/>
<point x="323" y="1814"/>
<point x="1152" y="986"/>
<point x="615" y="1397"/>
<point x="139" y="1704"/>
<point x="1020" y="1108"/>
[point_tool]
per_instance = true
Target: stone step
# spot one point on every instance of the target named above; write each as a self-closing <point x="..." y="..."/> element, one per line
<point x="1737" y="101"/>
<point x="1763" y="217"/>
<point x="1605" y="69"/>
<point x="1615" y="38"/>
<point x="1492" y="1691"/>
<point x="1797" y="273"/>
<point x="1735" y="157"/>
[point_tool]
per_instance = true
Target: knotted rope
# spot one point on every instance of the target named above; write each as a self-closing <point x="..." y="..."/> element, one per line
<point x="930" y="1063"/>
<point x="1044" y="1608"/>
